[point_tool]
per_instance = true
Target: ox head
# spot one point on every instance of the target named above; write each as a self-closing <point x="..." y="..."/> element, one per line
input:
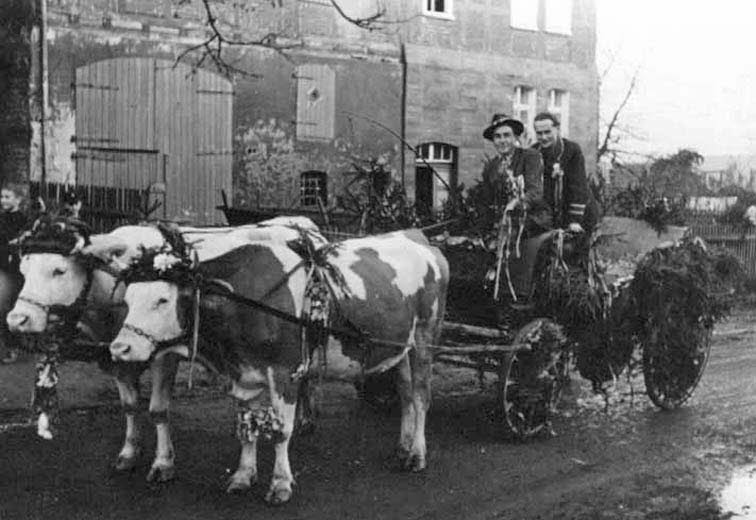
<point x="159" y="298"/>
<point x="54" y="275"/>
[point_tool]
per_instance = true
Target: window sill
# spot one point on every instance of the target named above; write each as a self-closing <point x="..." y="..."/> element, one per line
<point x="558" y="33"/>
<point x="521" y="28"/>
<point x="440" y="16"/>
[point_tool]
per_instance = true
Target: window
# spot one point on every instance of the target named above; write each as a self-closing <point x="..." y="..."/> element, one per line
<point x="559" y="16"/>
<point x="313" y="186"/>
<point x="524" y="108"/>
<point x="559" y="105"/>
<point x="524" y="14"/>
<point x="438" y="8"/>
<point x="432" y="189"/>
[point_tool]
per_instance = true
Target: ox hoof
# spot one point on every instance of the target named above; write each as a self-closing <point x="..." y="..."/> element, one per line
<point x="124" y="464"/>
<point x="306" y="427"/>
<point x="161" y="474"/>
<point x="276" y="497"/>
<point x="240" y="485"/>
<point x="411" y="462"/>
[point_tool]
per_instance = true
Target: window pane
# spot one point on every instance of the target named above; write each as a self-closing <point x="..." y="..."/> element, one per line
<point x="556" y="99"/>
<point x="439" y="8"/>
<point x="559" y="16"/>
<point x="313" y="186"/>
<point x="524" y="14"/>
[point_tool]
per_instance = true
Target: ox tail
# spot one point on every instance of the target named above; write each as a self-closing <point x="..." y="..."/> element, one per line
<point x="389" y="363"/>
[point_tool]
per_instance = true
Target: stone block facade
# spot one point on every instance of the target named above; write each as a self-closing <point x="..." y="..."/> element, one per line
<point x="459" y="70"/>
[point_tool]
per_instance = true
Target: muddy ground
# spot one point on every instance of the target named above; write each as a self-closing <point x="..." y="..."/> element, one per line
<point x="631" y="462"/>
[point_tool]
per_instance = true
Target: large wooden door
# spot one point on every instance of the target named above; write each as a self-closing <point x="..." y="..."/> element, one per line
<point x="144" y="123"/>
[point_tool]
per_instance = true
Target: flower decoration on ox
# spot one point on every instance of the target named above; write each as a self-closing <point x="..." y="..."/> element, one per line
<point x="161" y="263"/>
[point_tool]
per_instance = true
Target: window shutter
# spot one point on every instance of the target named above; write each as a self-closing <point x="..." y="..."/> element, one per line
<point x="315" y="102"/>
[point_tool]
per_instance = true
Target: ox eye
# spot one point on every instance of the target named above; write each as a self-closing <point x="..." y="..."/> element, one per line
<point x="58" y="271"/>
<point x="161" y="301"/>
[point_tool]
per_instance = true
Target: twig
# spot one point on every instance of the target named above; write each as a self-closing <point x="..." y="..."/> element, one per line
<point x="405" y="143"/>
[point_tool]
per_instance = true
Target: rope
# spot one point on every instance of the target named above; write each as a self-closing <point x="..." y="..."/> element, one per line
<point x="195" y="334"/>
<point x="557" y="174"/>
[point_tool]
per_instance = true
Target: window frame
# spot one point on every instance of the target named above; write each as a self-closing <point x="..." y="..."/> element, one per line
<point x="533" y="24"/>
<point x="446" y="14"/>
<point x="557" y="29"/>
<point x="530" y="107"/>
<point x="320" y="189"/>
<point x="446" y="157"/>
<point x="563" y="111"/>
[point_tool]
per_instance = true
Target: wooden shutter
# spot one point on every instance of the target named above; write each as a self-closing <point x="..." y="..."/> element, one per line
<point x="315" y="102"/>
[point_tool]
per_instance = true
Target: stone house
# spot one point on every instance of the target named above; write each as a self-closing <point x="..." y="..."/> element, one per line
<point x="122" y="110"/>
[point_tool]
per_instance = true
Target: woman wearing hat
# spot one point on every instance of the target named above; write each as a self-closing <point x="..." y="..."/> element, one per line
<point x="524" y="165"/>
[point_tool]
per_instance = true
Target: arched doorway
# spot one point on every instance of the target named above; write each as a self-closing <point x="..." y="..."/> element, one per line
<point x="431" y="190"/>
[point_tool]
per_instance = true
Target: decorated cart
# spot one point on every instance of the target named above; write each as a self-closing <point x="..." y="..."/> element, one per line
<point x="629" y="292"/>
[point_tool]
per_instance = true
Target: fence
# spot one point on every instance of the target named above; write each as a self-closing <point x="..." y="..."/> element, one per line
<point x="104" y="207"/>
<point x="736" y="239"/>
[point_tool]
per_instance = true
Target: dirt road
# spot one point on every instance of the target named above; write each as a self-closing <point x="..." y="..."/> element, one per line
<point x="632" y="462"/>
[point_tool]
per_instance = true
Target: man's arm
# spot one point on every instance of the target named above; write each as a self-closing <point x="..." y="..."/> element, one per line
<point x="575" y="186"/>
<point x="533" y="176"/>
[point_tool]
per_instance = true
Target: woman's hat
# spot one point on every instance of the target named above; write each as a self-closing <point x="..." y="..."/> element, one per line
<point x="500" y="120"/>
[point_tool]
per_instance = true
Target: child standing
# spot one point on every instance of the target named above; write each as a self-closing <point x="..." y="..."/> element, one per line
<point x="12" y="222"/>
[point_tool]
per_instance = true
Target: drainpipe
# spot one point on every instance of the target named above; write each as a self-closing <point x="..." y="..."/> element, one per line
<point x="43" y="94"/>
<point x="403" y="128"/>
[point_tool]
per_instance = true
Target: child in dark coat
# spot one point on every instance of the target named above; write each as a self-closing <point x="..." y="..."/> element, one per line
<point x="12" y="222"/>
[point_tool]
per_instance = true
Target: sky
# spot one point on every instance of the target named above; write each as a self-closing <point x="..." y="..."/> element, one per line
<point x="696" y="63"/>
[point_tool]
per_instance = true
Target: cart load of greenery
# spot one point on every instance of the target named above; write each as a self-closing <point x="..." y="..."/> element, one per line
<point x="668" y="307"/>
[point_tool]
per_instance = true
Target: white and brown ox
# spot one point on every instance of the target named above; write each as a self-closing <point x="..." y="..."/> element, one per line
<point x="54" y="279"/>
<point x="395" y="292"/>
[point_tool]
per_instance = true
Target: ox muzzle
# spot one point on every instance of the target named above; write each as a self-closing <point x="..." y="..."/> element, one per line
<point x="124" y="349"/>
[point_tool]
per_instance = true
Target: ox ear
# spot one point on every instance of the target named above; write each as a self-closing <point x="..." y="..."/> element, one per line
<point x="105" y="250"/>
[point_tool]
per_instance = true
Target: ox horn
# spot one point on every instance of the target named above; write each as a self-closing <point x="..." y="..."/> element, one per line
<point x="105" y="251"/>
<point x="79" y="247"/>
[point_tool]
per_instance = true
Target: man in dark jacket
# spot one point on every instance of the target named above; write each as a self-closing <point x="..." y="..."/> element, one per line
<point x="513" y="163"/>
<point x="565" y="184"/>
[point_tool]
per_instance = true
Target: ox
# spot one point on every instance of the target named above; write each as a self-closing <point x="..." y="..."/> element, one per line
<point x="390" y="287"/>
<point x="64" y="278"/>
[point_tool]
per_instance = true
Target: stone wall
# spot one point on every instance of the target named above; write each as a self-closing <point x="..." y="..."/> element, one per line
<point x="16" y="20"/>
<point x="459" y="72"/>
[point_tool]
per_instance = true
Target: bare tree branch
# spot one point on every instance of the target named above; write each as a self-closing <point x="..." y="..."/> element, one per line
<point x="363" y="23"/>
<point x="211" y="49"/>
<point x="405" y="143"/>
<point x="608" y="137"/>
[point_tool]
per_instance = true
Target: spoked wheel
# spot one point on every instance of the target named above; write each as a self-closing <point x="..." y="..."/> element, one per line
<point x="671" y="376"/>
<point x="531" y="381"/>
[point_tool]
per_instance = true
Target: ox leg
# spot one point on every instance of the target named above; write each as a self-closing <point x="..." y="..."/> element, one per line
<point x="163" y="374"/>
<point x="247" y="432"/>
<point x="127" y="381"/>
<point x="280" y="485"/>
<point x="421" y="399"/>
<point x="246" y="474"/>
<point x="407" y="430"/>
<point x="305" y="419"/>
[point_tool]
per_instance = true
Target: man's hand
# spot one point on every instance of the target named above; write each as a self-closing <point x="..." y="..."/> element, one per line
<point x="574" y="227"/>
<point x="513" y="204"/>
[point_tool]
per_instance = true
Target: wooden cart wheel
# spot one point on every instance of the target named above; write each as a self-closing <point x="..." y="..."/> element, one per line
<point x="670" y="378"/>
<point x="531" y="381"/>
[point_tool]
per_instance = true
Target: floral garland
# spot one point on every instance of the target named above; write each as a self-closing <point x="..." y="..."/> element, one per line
<point x="54" y="234"/>
<point x="161" y="263"/>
